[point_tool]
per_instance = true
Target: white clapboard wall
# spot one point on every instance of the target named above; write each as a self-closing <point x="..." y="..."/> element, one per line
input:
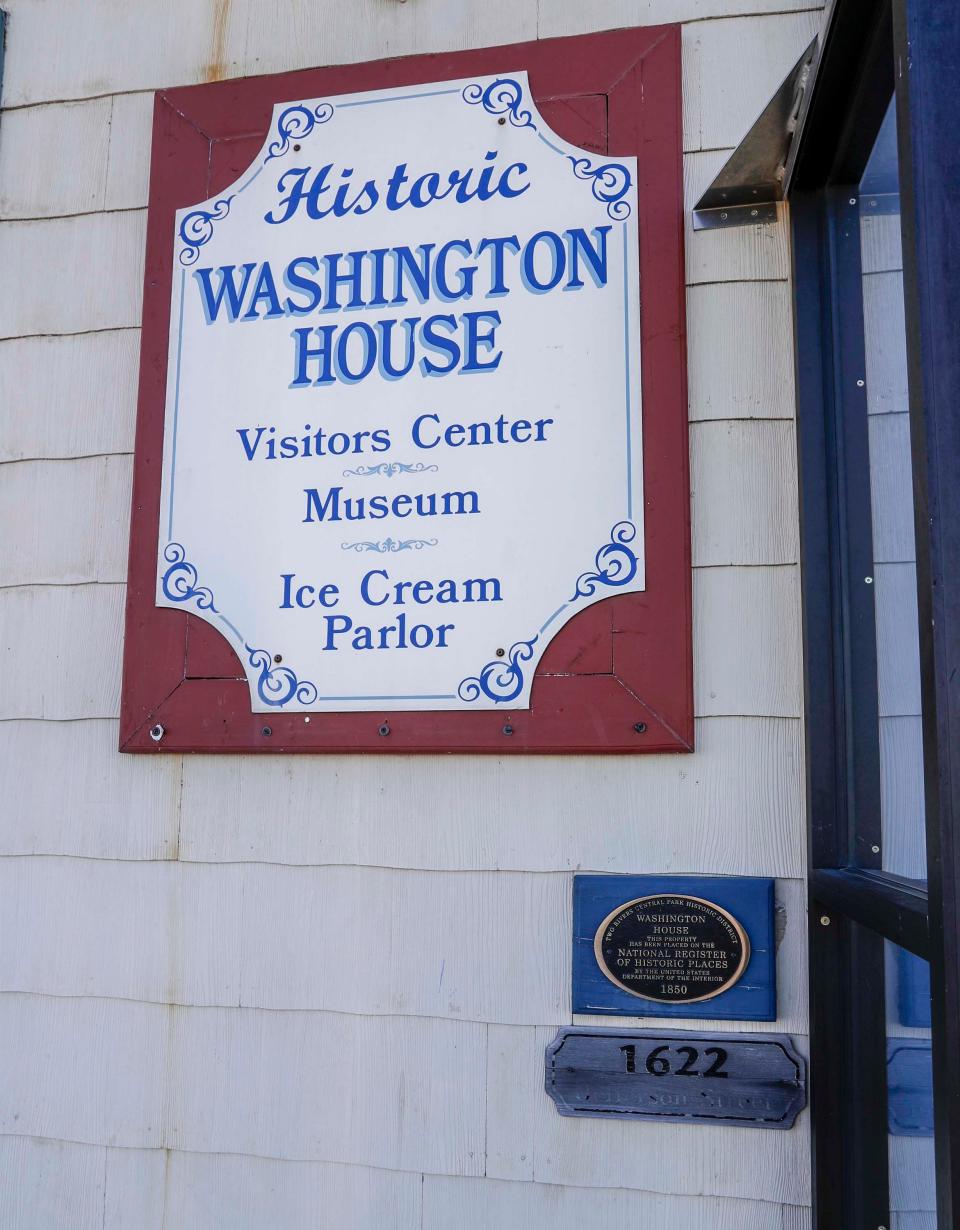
<point x="187" y="1042"/>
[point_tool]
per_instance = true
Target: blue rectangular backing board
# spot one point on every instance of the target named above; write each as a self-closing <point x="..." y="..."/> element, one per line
<point x="749" y="899"/>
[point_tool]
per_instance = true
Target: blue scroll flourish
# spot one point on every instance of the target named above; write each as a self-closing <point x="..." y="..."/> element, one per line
<point x="615" y="563"/>
<point x="502" y="679"/>
<point x="388" y="469"/>
<point x="609" y="184"/>
<point x="501" y="97"/>
<point x="295" y="123"/>
<point x="196" y="229"/>
<point x="390" y="545"/>
<point x="179" y="582"/>
<point x="276" y="685"/>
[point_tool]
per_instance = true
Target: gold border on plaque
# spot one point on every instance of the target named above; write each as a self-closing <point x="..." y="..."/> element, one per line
<point x="737" y="926"/>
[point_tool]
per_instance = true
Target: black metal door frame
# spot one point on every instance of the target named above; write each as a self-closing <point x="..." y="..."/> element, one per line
<point x="872" y="47"/>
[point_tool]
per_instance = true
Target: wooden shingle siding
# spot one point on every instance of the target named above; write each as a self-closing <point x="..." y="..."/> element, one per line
<point x="401" y="1093"/>
<point x="239" y="938"/>
<point x="70" y="635"/>
<point x="95" y="278"/>
<point x="71" y="396"/>
<point x="740" y="799"/>
<point x="739" y="350"/>
<point x="77" y="530"/>
<point x="95" y="804"/>
<point x="473" y="1205"/>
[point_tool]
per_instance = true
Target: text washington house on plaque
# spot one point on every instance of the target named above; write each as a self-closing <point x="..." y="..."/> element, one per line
<point x="402" y="434"/>
<point x="673" y="949"/>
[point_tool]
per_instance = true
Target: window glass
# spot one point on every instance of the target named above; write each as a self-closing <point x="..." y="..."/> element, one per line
<point x="894" y="575"/>
<point x="909" y="1091"/>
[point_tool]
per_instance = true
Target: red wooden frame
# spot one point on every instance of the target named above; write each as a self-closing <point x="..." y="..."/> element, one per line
<point x="618" y="677"/>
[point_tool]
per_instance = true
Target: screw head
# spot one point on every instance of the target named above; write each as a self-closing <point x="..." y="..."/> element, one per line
<point x="501" y="652"/>
<point x="824" y="920"/>
<point x="267" y="731"/>
<point x="640" y="727"/>
<point x="853" y="200"/>
<point x="157" y="732"/>
<point x="868" y="580"/>
<point x="383" y="729"/>
<point x="875" y="849"/>
<point x="754" y="212"/>
<point x="860" y="384"/>
<point x="508" y="729"/>
<point x="278" y="657"/>
<point x="296" y="149"/>
<point x="502" y="119"/>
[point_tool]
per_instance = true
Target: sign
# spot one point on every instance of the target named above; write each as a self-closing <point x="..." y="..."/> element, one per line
<point x="675" y="949"/>
<point x="737" y="1080"/>
<point x="674" y="946"/>
<point x="403" y="439"/>
<point x="410" y="471"/>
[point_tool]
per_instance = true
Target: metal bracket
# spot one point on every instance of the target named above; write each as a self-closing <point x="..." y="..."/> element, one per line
<point x="751" y="182"/>
<point x="734" y="215"/>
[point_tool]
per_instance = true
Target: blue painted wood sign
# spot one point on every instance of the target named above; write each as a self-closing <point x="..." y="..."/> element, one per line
<point x="736" y="1080"/>
<point x="674" y="946"/>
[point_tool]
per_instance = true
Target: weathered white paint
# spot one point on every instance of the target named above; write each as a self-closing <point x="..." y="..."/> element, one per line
<point x="901" y="794"/>
<point x="732" y="68"/>
<point x="747" y="641"/>
<point x="912" y="1174"/>
<point x="211" y="1192"/>
<point x="472" y="1204"/>
<point x="48" y="1183"/>
<point x="403" y="1093"/>
<point x="60" y="651"/>
<point x="891" y="498"/>
<point x="740" y="798"/>
<point x="179" y="43"/>
<point x="71" y="794"/>
<point x="94" y="265"/>
<point x="437" y="938"/>
<point x="880" y="248"/>
<point x="747" y="469"/>
<point x="69" y="396"/>
<point x="571" y="17"/>
<point x="797" y="1217"/>
<point x="740" y="350"/>
<point x="914" y="1221"/>
<point x="239" y="930"/>
<point x="136" y="1185"/>
<point x="309" y="1096"/>
<point x="885" y="341"/>
<point x="741" y="254"/>
<point x="76" y="529"/>
<point x="101" y="148"/>
<point x="898" y="647"/>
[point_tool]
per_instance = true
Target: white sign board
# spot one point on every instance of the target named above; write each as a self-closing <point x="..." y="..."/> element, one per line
<point x="403" y="435"/>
